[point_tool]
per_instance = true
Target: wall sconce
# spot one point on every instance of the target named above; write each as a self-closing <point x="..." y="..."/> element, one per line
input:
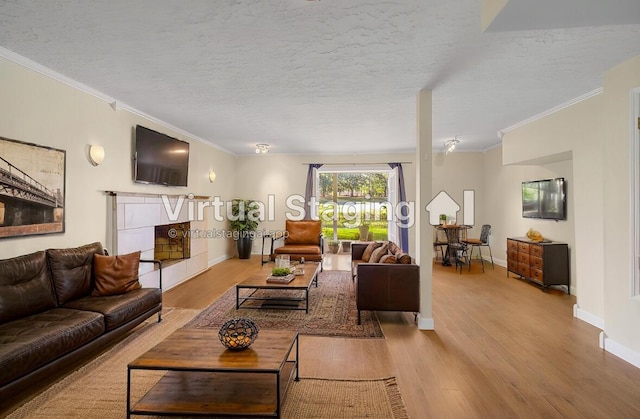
<point x="212" y="176"/>
<point x="96" y="154"/>
<point x="262" y="148"/>
<point x="450" y="145"/>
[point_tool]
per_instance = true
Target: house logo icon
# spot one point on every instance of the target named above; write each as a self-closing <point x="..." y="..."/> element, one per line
<point x="442" y="203"/>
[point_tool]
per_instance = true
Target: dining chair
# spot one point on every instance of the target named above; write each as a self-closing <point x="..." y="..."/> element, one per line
<point x="456" y="249"/>
<point x="481" y="242"/>
<point x="439" y="241"/>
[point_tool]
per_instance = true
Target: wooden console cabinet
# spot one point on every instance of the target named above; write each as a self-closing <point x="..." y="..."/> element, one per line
<point x="545" y="263"/>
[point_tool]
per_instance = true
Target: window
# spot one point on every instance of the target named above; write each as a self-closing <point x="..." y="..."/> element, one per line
<point x="349" y="199"/>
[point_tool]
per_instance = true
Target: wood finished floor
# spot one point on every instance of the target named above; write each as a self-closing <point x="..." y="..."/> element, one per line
<point x="501" y="348"/>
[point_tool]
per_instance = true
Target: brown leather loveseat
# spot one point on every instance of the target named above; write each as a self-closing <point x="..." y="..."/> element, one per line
<point x="49" y="319"/>
<point x="385" y="278"/>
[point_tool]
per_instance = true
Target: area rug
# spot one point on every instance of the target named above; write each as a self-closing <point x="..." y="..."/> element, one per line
<point x="332" y="311"/>
<point x="98" y="389"/>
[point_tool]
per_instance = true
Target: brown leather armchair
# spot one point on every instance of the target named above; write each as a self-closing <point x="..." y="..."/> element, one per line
<point x="303" y="239"/>
<point x="385" y="286"/>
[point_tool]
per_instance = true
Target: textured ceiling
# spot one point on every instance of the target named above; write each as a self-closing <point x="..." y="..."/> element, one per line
<point x="330" y="76"/>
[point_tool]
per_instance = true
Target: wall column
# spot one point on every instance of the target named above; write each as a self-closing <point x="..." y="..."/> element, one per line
<point x="424" y="239"/>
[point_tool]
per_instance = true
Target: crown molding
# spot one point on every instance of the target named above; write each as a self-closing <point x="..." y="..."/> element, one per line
<point x="115" y="104"/>
<point x="551" y="111"/>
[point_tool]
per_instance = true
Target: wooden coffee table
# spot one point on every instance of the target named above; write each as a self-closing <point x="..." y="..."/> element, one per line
<point x="205" y="378"/>
<point x="278" y="299"/>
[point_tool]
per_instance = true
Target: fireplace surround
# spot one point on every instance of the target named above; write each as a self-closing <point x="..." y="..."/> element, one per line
<point x="132" y="220"/>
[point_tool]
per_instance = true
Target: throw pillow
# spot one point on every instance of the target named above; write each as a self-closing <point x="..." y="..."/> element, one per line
<point x="388" y="259"/>
<point x="116" y="274"/>
<point x="394" y="249"/>
<point x="403" y="258"/>
<point x="369" y="250"/>
<point x="378" y="253"/>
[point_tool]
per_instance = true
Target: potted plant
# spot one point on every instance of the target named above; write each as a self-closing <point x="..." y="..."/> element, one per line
<point x="333" y="246"/>
<point x="443" y="219"/>
<point x="364" y="231"/>
<point x="245" y="217"/>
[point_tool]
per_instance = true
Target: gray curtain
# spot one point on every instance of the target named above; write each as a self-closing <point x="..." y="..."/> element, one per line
<point x="402" y="197"/>
<point x="309" y="189"/>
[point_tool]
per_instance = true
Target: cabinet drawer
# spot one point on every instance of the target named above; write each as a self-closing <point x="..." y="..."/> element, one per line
<point x="535" y="262"/>
<point x="524" y="270"/>
<point x="535" y="250"/>
<point x="512" y="255"/>
<point x="512" y="266"/>
<point x="523" y="247"/>
<point x="523" y="258"/>
<point x="537" y="274"/>
<point x="512" y="245"/>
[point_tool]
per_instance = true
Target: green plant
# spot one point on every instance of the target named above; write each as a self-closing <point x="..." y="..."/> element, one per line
<point x="280" y="271"/>
<point x="245" y="215"/>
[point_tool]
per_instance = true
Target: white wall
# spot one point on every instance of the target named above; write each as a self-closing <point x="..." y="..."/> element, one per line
<point x="40" y="110"/>
<point x="459" y="171"/>
<point x="574" y="133"/>
<point x="622" y="312"/>
<point x="283" y="175"/>
<point x="597" y="133"/>
<point x="503" y="205"/>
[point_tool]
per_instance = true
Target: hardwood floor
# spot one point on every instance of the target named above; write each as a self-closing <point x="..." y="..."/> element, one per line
<point x="502" y="348"/>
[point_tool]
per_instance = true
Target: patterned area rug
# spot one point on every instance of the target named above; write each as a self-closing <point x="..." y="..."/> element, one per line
<point x="332" y="311"/>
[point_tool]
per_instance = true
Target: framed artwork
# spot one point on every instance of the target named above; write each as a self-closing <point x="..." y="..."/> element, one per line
<point x="32" y="189"/>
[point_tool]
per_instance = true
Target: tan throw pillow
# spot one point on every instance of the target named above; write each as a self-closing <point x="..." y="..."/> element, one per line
<point x="403" y="258"/>
<point x="378" y="253"/>
<point x="388" y="259"/>
<point x="394" y="249"/>
<point x="369" y="250"/>
<point x="116" y="274"/>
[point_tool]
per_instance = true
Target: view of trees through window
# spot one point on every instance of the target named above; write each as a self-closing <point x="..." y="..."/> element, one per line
<point x="349" y="200"/>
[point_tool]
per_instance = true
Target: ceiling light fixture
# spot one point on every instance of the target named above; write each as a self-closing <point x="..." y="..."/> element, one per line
<point x="262" y="148"/>
<point x="450" y="145"/>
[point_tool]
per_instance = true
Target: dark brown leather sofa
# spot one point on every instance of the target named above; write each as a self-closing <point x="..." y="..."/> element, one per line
<point x="384" y="286"/>
<point x="49" y="321"/>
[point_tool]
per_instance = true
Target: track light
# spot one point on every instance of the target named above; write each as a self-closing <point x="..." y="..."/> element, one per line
<point x="450" y="145"/>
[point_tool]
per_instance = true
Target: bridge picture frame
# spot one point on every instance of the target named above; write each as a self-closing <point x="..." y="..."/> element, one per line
<point x="32" y="189"/>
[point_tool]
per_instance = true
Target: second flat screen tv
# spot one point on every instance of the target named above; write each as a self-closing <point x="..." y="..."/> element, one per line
<point x="544" y="199"/>
<point x="160" y="159"/>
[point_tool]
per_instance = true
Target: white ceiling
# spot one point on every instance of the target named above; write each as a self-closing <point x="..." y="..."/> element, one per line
<point x="329" y="76"/>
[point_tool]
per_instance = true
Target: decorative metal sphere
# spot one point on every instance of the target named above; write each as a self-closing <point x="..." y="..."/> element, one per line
<point x="238" y="334"/>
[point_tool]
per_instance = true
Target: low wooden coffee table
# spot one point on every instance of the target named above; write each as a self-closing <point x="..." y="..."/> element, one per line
<point x="278" y="298"/>
<point x="205" y="378"/>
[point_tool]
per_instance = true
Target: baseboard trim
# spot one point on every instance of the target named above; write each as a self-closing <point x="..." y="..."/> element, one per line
<point x="218" y="260"/>
<point x="619" y="350"/>
<point x="426" y="323"/>
<point x="585" y="316"/>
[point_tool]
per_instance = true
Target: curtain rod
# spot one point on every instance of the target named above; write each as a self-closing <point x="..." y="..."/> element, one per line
<point x="357" y="164"/>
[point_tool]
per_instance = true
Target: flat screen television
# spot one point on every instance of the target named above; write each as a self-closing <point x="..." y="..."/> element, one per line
<point x="159" y="159"/>
<point x="544" y="199"/>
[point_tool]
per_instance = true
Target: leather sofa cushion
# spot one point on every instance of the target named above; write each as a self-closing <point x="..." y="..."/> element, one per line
<point x="116" y="274"/>
<point x="368" y="251"/>
<point x="33" y="341"/>
<point x="72" y="271"/>
<point x="25" y="286"/>
<point x="119" y="309"/>
<point x="303" y="232"/>
<point x="298" y="249"/>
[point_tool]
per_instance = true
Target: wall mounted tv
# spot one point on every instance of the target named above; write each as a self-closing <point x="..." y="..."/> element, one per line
<point x="544" y="199"/>
<point x="159" y="159"/>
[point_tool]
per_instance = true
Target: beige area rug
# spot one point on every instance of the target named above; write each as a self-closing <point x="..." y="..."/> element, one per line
<point x="98" y="389"/>
<point x="332" y="311"/>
